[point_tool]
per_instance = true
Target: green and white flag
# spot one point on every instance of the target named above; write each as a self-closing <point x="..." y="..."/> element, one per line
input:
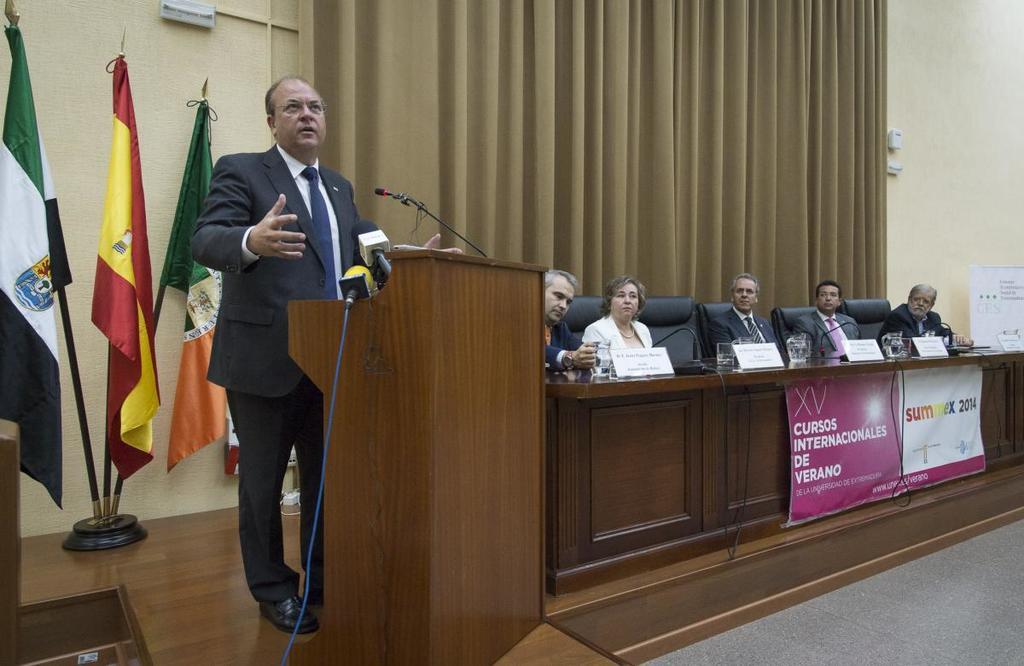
<point x="33" y="266"/>
<point x="200" y="407"/>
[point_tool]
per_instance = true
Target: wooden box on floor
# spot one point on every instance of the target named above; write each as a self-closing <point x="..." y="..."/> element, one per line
<point x="433" y="523"/>
<point x="92" y="628"/>
<point x="97" y="627"/>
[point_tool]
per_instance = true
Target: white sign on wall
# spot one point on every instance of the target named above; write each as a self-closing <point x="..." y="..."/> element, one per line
<point x="997" y="302"/>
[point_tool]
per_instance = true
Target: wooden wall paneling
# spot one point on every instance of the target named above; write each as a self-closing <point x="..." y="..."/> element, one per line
<point x="640" y="473"/>
<point x="566" y="420"/>
<point x="599" y="471"/>
<point x="10" y="541"/>
<point x="551" y="487"/>
<point x="996" y="415"/>
<point x="714" y="444"/>
<point x="1017" y="407"/>
<point x="639" y="464"/>
<point x="759" y="443"/>
<point x="655" y="615"/>
<point x="720" y="445"/>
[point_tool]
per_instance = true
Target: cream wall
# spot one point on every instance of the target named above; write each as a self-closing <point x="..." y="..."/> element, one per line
<point x="956" y="89"/>
<point x="69" y="44"/>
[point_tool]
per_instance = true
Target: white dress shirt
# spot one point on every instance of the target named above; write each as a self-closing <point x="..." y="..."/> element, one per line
<point x="296" y="167"/>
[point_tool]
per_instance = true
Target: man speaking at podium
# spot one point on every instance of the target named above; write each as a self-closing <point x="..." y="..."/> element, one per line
<point x="279" y="228"/>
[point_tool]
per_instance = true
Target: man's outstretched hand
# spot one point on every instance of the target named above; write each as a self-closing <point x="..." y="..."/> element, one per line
<point x="268" y="239"/>
<point x="435" y="242"/>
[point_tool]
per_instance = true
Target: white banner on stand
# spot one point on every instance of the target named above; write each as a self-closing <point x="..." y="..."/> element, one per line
<point x="997" y="302"/>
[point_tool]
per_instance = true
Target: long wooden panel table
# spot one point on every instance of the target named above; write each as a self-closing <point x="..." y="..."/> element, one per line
<point x="645" y="473"/>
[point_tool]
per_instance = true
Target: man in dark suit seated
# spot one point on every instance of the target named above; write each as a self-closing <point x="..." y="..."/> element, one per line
<point x="740" y="321"/>
<point x="826" y="328"/>
<point x="916" y="318"/>
<point x="563" y="350"/>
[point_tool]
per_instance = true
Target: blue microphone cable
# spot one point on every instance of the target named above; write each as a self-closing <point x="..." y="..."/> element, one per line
<point x="320" y="492"/>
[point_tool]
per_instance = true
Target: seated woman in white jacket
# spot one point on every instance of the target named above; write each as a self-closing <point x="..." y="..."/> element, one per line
<point x="624" y="300"/>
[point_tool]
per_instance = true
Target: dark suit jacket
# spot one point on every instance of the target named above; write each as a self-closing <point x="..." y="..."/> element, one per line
<point x="902" y="321"/>
<point x="250" y="345"/>
<point x="814" y="327"/>
<point x="728" y="327"/>
<point x="561" y="338"/>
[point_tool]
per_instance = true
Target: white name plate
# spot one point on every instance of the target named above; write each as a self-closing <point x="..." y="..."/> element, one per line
<point x="758" y="356"/>
<point x="930" y="346"/>
<point x="863" y="350"/>
<point x="652" y="362"/>
<point x="1010" y="342"/>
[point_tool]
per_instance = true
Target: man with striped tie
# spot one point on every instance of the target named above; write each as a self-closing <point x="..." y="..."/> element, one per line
<point x="740" y="321"/>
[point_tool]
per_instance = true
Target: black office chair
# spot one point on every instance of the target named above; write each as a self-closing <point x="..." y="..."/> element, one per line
<point x="869" y="313"/>
<point x="784" y="318"/>
<point x="675" y="325"/>
<point x="709" y="311"/>
<point x="585" y="310"/>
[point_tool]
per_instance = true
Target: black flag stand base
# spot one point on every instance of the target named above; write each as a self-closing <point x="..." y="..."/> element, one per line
<point x="106" y="532"/>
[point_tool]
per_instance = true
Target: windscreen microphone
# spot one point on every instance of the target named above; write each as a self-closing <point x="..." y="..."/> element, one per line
<point x="400" y="197"/>
<point x="407" y="200"/>
<point x="373" y="243"/>
<point x="356" y="284"/>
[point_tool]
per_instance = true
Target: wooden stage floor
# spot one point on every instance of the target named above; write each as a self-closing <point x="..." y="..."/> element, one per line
<point x="186" y="586"/>
<point x="184" y="581"/>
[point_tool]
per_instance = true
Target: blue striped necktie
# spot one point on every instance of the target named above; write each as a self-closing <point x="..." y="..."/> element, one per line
<point x="753" y="330"/>
<point x="322" y="229"/>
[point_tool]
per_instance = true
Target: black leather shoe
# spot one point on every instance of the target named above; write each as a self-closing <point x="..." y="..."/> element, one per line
<point x="284" y="615"/>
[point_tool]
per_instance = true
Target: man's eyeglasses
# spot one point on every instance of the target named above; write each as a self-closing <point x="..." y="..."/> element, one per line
<point x="294" y="108"/>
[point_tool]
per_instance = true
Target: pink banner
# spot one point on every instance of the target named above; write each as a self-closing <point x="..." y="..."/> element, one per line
<point x="844" y="446"/>
<point x="846" y="433"/>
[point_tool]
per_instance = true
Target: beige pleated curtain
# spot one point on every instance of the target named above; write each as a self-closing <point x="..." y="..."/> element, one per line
<point x="680" y="141"/>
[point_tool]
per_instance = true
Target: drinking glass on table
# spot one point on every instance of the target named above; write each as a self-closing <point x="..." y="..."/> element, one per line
<point x="892" y="345"/>
<point x="726" y="355"/>
<point x="603" y="367"/>
<point x="798" y="346"/>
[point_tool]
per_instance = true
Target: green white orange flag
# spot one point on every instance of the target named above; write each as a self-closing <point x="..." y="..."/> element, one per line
<point x="33" y="266"/>
<point x="122" y="302"/>
<point x="199" y="406"/>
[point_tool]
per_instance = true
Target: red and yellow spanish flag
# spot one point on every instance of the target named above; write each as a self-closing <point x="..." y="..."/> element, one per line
<point x="122" y="302"/>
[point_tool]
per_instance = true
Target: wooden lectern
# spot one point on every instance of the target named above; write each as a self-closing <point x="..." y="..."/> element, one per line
<point x="433" y="502"/>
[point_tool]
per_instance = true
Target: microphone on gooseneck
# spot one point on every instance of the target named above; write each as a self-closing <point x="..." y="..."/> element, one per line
<point x="693" y="337"/>
<point x="408" y="200"/>
<point x="692" y="367"/>
<point x="821" y="338"/>
<point x="400" y="197"/>
<point x="947" y="336"/>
